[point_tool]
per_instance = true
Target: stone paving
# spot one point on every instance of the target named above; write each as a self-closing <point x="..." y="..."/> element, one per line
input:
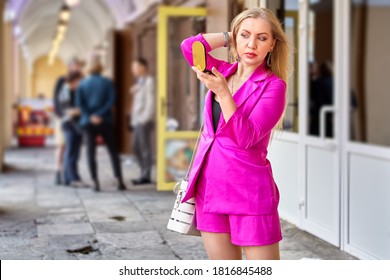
<point x="39" y="220"/>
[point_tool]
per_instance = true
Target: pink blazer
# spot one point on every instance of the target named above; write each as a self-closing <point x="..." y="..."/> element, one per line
<point x="239" y="176"/>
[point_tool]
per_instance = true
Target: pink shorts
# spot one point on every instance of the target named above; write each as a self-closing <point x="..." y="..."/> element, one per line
<point x="245" y="230"/>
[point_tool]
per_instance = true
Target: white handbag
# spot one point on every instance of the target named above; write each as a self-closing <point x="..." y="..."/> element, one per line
<point x="182" y="219"/>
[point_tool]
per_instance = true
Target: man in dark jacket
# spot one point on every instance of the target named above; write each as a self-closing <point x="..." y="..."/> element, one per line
<point x="95" y="97"/>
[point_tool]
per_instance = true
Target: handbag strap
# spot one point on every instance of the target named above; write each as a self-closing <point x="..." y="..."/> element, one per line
<point x="195" y="150"/>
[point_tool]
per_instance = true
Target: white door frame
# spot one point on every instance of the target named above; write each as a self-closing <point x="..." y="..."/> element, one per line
<point x="302" y="103"/>
<point x="342" y="18"/>
<point x="332" y="236"/>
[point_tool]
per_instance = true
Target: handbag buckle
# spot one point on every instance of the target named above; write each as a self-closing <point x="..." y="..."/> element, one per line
<point x="179" y="198"/>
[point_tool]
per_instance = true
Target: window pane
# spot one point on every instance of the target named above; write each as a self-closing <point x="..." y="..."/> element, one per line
<point x="290" y="23"/>
<point x="183" y="92"/>
<point x="370" y="64"/>
<point x="320" y="47"/>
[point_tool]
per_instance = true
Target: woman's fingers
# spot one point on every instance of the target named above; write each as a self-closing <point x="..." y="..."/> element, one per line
<point x="198" y="73"/>
<point x="214" y="82"/>
<point x="196" y="70"/>
<point x="216" y="73"/>
<point x="203" y="77"/>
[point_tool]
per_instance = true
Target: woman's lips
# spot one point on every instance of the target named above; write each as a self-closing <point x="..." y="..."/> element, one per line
<point x="250" y="55"/>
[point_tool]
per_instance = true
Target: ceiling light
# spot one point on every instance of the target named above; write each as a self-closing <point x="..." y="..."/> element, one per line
<point x="72" y="3"/>
<point x="9" y="15"/>
<point x="64" y="13"/>
<point x="59" y="36"/>
<point x="61" y="28"/>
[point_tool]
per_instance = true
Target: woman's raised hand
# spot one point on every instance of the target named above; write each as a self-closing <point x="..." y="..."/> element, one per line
<point x="216" y="83"/>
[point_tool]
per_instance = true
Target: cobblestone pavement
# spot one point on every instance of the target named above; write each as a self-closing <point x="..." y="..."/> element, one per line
<point x="39" y="220"/>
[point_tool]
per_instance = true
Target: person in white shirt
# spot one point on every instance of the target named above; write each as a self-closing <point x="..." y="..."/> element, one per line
<point x="142" y="118"/>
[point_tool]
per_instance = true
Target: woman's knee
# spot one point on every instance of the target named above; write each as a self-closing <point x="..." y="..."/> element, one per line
<point x="267" y="252"/>
<point x="219" y="247"/>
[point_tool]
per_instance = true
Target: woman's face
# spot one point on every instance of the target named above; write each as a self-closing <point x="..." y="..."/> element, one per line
<point x="254" y="40"/>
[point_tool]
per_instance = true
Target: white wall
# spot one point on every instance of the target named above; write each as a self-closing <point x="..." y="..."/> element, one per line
<point x="369" y="211"/>
<point x="283" y="156"/>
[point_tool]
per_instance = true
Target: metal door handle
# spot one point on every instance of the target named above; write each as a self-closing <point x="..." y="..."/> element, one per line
<point x="331" y="145"/>
<point x="323" y="111"/>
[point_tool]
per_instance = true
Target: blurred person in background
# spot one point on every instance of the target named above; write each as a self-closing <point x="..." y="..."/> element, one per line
<point x="74" y="66"/>
<point x="325" y="94"/>
<point x="321" y="94"/>
<point x="142" y="119"/>
<point x="95" y="98"/>
<point x="71" y="129"/>
<point x="313" y="94"/>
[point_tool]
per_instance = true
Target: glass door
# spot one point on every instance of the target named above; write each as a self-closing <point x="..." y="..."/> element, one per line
<point x="180" y="95"/>
<point x="320" y="204"/>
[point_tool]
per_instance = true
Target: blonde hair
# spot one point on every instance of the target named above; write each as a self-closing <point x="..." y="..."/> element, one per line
<point x="281" y="50"/>
<point x="280" y="60"/>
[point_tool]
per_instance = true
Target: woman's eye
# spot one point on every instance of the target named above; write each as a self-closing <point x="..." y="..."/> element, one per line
<point x="244" y="35"/>
<point x="263" y="38"/>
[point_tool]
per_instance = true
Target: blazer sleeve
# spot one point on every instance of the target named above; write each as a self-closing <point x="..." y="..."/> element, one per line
<point x="247" y="131"/>
<point x="186" y="47"/>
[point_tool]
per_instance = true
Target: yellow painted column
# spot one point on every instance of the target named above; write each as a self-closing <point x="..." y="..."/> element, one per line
<point x="164" y="12"/>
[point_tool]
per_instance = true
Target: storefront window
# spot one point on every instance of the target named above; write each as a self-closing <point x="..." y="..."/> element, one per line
<point x="290" y="24"/>
<point x="370" y="64"/>
<point x="320" y="68"/>
<point x="184" y="94"/>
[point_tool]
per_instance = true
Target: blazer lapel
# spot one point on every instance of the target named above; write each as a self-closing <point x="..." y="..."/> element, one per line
<point x="208" y="114"/>
<point x="250" y="85"/>
<point x="239" y="97"/>
<point x="244" y="92"/>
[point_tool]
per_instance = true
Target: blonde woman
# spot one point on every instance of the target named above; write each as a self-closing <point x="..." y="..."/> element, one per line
<point x="231" y="178"/>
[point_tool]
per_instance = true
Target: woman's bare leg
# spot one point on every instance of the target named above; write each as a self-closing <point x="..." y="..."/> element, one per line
<point x="59" y="156"/>
<point x="268" y="252"/>
<point x="219" y="247"/>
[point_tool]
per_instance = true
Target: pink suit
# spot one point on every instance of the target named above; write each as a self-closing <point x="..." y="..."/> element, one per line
<point x="231" y="164"/>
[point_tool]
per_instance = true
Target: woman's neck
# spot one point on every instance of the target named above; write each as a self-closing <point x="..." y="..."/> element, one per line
<point x="245" y="71"/>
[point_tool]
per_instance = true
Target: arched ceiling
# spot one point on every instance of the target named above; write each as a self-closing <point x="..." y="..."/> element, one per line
<point x="89" y="24"/>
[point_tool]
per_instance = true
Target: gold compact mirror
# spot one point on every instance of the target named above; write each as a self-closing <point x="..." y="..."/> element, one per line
<point x="199" y="56"/>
